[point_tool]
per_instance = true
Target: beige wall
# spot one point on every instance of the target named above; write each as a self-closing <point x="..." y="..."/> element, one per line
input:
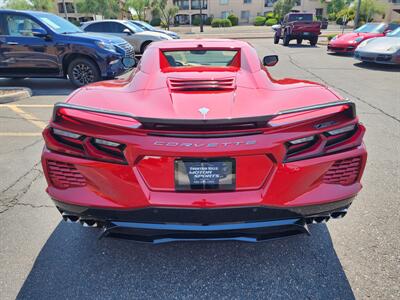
<point x="311" y="6"/>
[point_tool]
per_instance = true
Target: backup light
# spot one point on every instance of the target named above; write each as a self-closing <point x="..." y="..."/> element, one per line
<point x="106" y="143"/>
<point x="68" y="134"/>
<point x="347" y="128"/>
<point x="302" y="140"/>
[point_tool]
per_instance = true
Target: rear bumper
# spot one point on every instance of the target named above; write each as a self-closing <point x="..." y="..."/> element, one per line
<point x="304" y="36"/>
<point x="159" y="224"/>
<point x="341" y="48"/>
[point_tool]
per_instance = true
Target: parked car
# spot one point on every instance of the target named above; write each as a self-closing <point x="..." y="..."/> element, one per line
<point x="299" y="27"/>
<point x="133" y="34"/>
<point x="348" y="42"/>
<point x="201" y="143"/>
<point x="39" y="44"/>
<point x="382" y="50"/>
<point x="147" y="27"/>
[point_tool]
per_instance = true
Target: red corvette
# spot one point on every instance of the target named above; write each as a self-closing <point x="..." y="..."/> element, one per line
<point x="348" y="42"/>
<point x="201" y="143"/>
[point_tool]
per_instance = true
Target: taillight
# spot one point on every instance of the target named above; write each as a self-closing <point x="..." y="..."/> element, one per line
<point x="330" y="141"/>
<point x="76" y="144"/>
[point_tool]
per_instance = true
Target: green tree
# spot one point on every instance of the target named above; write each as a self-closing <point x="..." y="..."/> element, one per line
<point x="139" y="6"/>
<point x="18" y="4"/>
<point x="167" y="13"/>
<point x="283" y="7"/>
<point x="43" y="5"/>
<point x="370" y="8"/>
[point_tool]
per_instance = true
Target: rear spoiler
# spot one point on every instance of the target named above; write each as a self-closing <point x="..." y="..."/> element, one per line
<point x="261" y="121"/>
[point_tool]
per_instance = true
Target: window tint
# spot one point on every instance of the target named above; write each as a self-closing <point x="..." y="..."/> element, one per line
<point x="96" y="27"/>
<point x="20" y="25"/>
<point x="300" y="17"/>
<point x="112" y="27"/>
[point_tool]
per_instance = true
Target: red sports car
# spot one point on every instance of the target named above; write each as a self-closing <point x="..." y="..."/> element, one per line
<point x="348" y="42"/>
<point x="201" y="143"/>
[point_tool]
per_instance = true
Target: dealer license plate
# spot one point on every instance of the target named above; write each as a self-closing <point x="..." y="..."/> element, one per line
<point x="193" y="174"/>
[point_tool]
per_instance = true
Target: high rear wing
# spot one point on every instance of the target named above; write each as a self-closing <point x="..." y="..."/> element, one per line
<point x="259" y="121"/>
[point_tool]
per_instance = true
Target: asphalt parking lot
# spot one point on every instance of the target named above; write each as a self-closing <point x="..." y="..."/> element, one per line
<point x="42" y="257"/>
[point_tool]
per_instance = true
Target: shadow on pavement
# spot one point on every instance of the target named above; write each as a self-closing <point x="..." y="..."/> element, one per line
<point x="41" y="86"/>
<point x="302" y="46"/>
<point x="378" y="67"/>
<point x="75" y="264"/>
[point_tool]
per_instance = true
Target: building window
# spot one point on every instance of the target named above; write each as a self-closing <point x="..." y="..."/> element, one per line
<point x="223" y="2"/>
<point x="196" y="4"/>
<point x="245" y="15"/>
<point x="182" y="4"/>
<point x="224" y="14"/>
<point x="246" y="1"/>
<point x="319" y="13"/>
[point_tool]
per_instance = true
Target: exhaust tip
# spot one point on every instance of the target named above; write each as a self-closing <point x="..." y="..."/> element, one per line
<point x="338" y="214"/>
<point x="89" y="223"/>
<point x="323" y="219"/>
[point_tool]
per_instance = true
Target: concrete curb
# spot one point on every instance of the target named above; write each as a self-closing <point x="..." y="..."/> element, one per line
<point x="17" y="94"/>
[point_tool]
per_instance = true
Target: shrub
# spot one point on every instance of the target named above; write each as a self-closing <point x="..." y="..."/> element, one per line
<point x="234" y="19"/>
<point x="221" y="23"/>
<point x="270" y="15"/>
<point x="196" y="21"/>
<point x="259" y="21"/>
<point x="330" y="36"/>
<point x="209" y="20"/>
<point x="271" y="22"/>
<point x="155" y="22"/>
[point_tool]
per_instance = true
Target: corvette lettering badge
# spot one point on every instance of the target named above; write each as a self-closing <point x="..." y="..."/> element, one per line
<point x="202" y="145"/>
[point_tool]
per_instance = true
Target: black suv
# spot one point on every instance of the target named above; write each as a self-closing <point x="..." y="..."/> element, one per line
<point x="38" y="44"/>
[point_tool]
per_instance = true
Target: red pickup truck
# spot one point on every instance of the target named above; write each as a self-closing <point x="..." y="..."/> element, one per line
<point x="298" y="26"/>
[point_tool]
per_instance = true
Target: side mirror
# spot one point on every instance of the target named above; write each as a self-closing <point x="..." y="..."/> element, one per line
<point x="270" y="60"/>
<point x="387" y="31"/>
<point x="39" y="32"/>
<point x="127" y="31"/>
<point x="129" y="62"/>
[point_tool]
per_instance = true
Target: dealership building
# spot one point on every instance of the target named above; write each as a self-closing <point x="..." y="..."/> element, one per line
<point x="247" y="10"/>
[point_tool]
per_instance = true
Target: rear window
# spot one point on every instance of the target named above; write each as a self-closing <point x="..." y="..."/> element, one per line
<point x="300" y="17"/>
<point x="199" y="58"/>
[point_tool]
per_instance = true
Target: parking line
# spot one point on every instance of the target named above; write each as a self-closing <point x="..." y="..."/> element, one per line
<point x="26" y="105"/>
<point x="27" y="116"/>
<point x="17" y="134"/>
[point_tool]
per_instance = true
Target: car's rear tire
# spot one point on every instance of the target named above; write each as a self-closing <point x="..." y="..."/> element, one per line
<point x="286" y="39"/>
<point x="82" y="71"/>
<point x="314" y="41"/>
<point x="276" y="39"/>
<point x="144" y="46"/>
<point x="299" y="41"/>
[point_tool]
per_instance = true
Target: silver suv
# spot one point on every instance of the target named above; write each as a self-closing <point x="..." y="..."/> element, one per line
<point x="133" y="34"/>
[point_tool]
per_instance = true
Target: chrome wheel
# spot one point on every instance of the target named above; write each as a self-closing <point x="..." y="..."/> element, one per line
<point x="83" y="74"/>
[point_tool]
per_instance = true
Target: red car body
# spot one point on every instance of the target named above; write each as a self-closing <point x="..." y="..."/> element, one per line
<point x="197" y="151"/>
<point x="348" y="42"/>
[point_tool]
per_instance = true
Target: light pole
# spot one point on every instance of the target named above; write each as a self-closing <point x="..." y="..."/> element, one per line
<point x="357" y="18"/>
<point x="201" y="15"/>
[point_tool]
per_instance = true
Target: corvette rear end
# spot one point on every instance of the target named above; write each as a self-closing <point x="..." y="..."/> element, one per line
<point x="201" y="143"/>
